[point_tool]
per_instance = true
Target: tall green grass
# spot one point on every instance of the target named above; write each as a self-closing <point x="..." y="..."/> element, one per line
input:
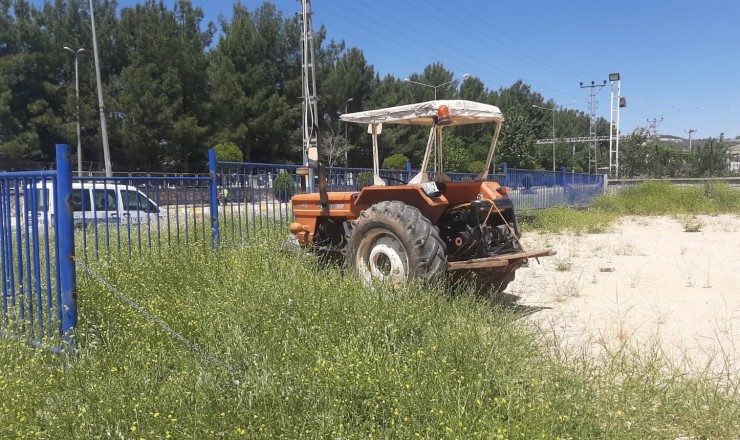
<point x="662" y="198"/>
<point x="645" y="199"/>
<point x="311" y="353"/>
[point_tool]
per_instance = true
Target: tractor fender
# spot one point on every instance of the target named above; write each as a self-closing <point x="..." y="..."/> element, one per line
<point x="413" y="195"/>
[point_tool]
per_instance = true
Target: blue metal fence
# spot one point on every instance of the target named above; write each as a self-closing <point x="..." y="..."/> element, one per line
<point x="140" y="214"/>
<point x="49" y="217"/>
<point x="254" y="198"/>
<point x="535" y="189"/>
<point x="38" y="279"/>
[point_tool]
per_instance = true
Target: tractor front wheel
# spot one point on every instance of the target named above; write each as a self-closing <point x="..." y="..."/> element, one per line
<point x="392" y="242"/>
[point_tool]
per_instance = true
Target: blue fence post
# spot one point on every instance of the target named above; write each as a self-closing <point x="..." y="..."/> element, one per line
<point x="66" y="255"/>
<point x="213" y="197"/>
<point x="564" y="184"/>
<point x="505" y="169"/>
<point x="408" y="171"/>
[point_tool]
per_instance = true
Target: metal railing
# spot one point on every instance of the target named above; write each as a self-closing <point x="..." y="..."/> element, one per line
<point x="49" y="218"/>
<point x="37" y="257"/>
<point x="254" y="197"/>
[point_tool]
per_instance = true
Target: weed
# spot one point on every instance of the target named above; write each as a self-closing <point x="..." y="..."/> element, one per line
<point x="691" y="223"/>
<point x="563" y="265"/>
<point x="635" y="278"/>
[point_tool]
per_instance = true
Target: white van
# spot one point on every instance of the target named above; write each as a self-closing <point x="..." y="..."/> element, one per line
<point x="99" y="202"/>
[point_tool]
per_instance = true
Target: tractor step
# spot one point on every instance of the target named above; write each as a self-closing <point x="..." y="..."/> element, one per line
<point x="499" y="260"/>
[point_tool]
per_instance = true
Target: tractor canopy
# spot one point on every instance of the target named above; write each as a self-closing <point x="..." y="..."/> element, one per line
<point x="434" y="114"/>
<point x="424" y="113"/>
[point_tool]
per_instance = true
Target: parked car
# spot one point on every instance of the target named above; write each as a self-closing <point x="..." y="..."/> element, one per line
<point x="98" y="202"/>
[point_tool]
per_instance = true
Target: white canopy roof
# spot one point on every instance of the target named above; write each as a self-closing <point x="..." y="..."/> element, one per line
<point x="462" y="112"/>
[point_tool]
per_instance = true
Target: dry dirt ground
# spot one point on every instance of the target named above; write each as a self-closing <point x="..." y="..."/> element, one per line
<point x="647" y="283"/>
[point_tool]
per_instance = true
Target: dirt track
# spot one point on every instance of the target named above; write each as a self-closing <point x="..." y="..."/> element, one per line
<point x="646" y="282"/>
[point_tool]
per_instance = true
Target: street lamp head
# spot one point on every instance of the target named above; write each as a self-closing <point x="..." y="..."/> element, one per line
<point x="70" y="50"/>
<point x="465" y="76"/>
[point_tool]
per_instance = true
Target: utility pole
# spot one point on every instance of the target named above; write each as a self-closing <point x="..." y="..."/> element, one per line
<point x="592" y="106"/>
<point x="654" y="126"/>
<point x="77" y="105"/>
<point x="103" y="126"/>
<point x="346" y="109"/>
<point x="552" y="109"/>
<point x="690" y="131"/>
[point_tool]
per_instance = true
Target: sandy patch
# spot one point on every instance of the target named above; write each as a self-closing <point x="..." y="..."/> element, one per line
<point x="648" y="283"/>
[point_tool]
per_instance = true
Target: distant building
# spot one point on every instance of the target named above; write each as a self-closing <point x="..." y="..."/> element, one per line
<point x="733" y="158"/>
<point x="670" y="138"/>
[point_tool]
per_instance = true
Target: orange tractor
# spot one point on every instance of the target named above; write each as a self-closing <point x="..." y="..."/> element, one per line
<point x="425" y="227"/>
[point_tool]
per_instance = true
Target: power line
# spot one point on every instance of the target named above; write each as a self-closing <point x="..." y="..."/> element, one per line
<point x="414" y="44"/>
<point x="540" y="55"/>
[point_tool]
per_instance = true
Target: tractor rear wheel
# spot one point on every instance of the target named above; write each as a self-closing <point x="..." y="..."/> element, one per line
<point x="393" y="243"/>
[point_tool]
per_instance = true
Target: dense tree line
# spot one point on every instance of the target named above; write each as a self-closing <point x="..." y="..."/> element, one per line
<point x="643" y="155"/>
<point x="172" y="90"/>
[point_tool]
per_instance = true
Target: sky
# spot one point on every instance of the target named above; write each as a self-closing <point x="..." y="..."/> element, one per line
<point x="678" y="60"/>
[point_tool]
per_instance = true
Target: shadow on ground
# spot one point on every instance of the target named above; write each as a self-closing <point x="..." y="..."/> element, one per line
<point x="510" y="303"/>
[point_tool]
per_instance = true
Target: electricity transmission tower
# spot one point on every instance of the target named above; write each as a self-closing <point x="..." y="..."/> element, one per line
<point x="653" y="127"/>
<point x="592" y="106"/>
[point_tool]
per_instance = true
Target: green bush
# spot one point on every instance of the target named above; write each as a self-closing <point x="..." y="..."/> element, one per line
<point x="476" y="166"/>
<point x="395" y="162"/>
<point x="364" y="179"/>
<point x="283" y="187"/>
<point x="228" y="152"/>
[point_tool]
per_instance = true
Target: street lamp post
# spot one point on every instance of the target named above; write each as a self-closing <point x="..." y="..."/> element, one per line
<point x="553" y="131"/>
<point x="77" y="96"/>
<point x="433" y="87"/>
<point x="435" y="98"/>
<point x="346" y="108"/>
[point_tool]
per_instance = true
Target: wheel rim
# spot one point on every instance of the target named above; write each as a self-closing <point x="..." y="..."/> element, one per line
<point x="383" y="258"/>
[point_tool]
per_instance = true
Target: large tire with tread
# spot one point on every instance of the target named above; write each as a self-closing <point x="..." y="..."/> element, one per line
<point x="392" y="242"/>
